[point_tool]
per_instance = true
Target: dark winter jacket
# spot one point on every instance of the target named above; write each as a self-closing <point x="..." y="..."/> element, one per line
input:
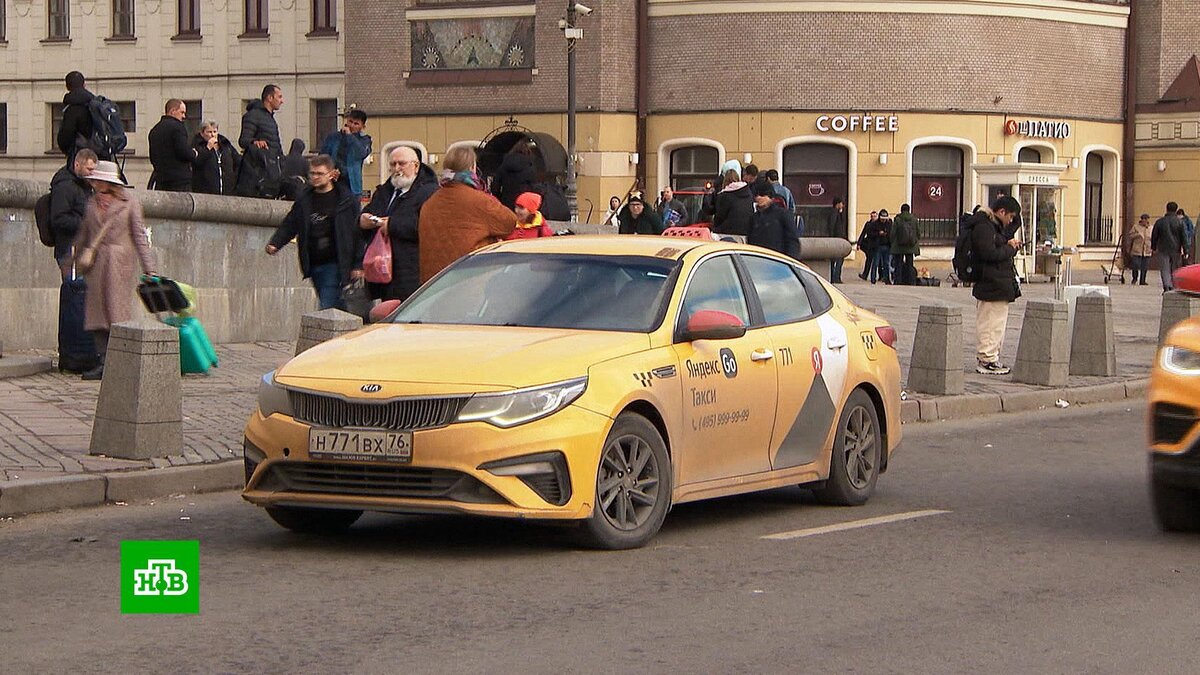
<point x="350" y="241"/>
<point x="868" y="239"/>
<point x="554" y="201"/>
<point x="1168" y="236"/>
<point x="76" y="129"/>
<point x="993" y="259"/>
<point x="69" y="196"/>
<point x="676" y="206"/>
<point x="294" y="170"/>
<point x="403" y="220"/>
<point x="734" y="210"/>
<point x="171" y="155"/>
<point x="348" y="152"/>
<point x="258" y="124"/>
<point x="516" y="175"/>
<point x="647" y="223"/>
<point x="907" y="222"/>
<point x="837" y="224"/>
<point x="775" y="228"/>
<point x="215" y="171"/>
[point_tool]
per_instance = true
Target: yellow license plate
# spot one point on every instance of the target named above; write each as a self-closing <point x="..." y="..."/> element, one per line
<point x="362" y="445"/>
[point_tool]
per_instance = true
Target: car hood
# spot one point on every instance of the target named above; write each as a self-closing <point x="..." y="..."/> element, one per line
<point x="441" y="359"/>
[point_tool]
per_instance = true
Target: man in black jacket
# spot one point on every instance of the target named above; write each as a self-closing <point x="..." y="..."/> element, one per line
<point x="396" y="204"/>
<point x="69" y="194"/>
<point x="996" y="287"/>
<point x="259" y="141"/>
<point x="635" y="218"/>
<point x="324" y="222"/>
<point x="772" y="226"/>
<point x="171" y="154"/>
<point x="76" y="129"/>
<point x="1167" y="240"/>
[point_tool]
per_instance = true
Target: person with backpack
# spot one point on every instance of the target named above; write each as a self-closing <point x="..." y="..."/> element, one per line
<point x="67" y="204"/>
<point x="983" y="256"/>
<point x="89" y="121"/>
<point x="530" y="223"/>
<point x="262" y="158"/>
<point x="906" y="246"/>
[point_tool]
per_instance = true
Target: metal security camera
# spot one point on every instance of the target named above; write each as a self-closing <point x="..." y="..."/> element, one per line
<point x="582" y="9"/>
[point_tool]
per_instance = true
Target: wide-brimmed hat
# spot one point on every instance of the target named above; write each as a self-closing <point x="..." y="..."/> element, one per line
<point x="107" y="172"/>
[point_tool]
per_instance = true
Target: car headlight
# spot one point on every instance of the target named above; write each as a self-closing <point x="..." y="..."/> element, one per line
<point x="1180" y="360"/>
<point x="273" y="398"/>
<point x="511" y="408"/>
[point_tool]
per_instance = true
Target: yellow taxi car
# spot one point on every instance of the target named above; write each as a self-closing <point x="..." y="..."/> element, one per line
<point x="1174" y="398"/>
<point x="590" y="378"/>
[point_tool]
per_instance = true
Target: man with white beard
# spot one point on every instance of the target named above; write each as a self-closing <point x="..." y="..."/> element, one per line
<point x="396" y="205"/>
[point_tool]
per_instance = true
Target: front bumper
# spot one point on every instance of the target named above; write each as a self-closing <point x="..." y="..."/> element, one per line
<point x="444" y="475"/>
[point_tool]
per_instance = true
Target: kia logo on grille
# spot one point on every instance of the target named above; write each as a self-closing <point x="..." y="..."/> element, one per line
<point x="371" y="388"/>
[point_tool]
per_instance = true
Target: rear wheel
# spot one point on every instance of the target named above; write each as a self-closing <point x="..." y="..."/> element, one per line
<point x="313" y="521"/>
<point x="633" y="486"/>
<point x="1176" y="509"/>
<point x="857" y="452"/>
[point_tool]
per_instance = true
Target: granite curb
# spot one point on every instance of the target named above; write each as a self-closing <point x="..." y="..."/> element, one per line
<point x="23" y="497"/>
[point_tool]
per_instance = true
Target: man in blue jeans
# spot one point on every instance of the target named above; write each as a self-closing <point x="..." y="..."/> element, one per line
<point x="324" y="223"/>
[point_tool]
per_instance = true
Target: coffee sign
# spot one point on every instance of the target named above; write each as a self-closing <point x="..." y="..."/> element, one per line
<point x="842" y="123"/>
<point x="1034" y="129"/>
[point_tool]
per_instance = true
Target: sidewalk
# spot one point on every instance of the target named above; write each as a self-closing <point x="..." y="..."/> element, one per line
<point x="45" y="419"/>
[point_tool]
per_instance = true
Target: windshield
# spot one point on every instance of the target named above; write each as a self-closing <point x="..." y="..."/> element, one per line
<point x="592" y="292"/>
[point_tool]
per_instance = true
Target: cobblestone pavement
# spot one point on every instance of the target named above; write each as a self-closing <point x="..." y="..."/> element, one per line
<point x="45" y="420"/>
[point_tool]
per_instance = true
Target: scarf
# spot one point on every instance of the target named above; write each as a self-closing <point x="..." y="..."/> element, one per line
<point x="537" y="222"/>
<point x="465" y="177"/>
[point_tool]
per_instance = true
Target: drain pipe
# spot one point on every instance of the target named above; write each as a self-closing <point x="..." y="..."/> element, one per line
<point x="643" y="87"/>
<point x="1129" y="142"/>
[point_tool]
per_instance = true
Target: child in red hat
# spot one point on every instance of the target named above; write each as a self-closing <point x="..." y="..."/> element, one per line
<point x="530" y="223"/>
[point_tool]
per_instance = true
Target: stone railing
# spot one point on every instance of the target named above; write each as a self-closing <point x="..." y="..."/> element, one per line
<point x="213" y="243"/>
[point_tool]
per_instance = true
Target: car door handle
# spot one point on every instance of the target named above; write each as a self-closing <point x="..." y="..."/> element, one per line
<point x="835" y="342"/>
<point x="762" y="355"/>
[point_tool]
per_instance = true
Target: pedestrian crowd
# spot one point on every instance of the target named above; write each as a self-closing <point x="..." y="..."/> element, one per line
<point x="1171" y="240"/>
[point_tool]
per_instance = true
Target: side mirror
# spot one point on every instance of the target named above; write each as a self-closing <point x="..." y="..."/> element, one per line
<point x="711" y="324"/>
<point x="382" y="310"/>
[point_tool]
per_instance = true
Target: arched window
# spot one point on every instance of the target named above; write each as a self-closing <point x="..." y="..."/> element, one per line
<point x="1030" y="154"/>
<point x="816" y="173"/>
<point x="693" y="165"/>
<point x="1097" y="225"/>
<point x="937" y="191"/>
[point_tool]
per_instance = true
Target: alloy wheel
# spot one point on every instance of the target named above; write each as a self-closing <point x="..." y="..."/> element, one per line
<point x="858" y="444"/>
<point x="628" y="483"/>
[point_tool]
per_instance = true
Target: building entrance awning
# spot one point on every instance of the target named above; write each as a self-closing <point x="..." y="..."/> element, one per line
<point x="1020" y="173"/>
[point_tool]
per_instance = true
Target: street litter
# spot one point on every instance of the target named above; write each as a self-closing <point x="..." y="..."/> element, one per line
<point x="121" y="503"/>
<point x="185" y="518"/>
<point x="84" y="540"/>
<point x="1060" y="403"/>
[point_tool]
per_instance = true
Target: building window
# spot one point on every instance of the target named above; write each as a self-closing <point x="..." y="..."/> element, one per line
<point x="324" y="17"/>
<point x="128" y="110"/>
<point x="256" y="17"/>
<point x="188" y="17"/>
<point x="58" y="20"/>
<point x="122" y="18"/>
<point x="692" y="170"/>
<point x="937" y="191"/>
<point x="194" y="116"/>
<point x="3" y="128"/>
<point x="1097" y="227"/>
<point x="325" y="120"/>
<point x="817" y="173"/>
<point x="3" y="20"/>
<point x="1030" y="155"/>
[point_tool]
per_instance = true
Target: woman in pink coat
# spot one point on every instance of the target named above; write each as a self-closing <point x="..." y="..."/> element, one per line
<point x="113" y="226"/>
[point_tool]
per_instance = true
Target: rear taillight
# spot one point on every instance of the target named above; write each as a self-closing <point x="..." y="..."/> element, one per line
<point x="887" y="335"/>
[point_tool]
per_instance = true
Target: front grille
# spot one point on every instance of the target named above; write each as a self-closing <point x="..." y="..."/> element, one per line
<point x="1172" y="422"/>
<point x="375" y="480"/>
<point x="403" y="415"/>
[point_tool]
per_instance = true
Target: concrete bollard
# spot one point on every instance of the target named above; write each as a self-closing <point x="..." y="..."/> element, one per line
<point x="936" y="366"/>
<point x="1176" y="307"/>
<point x="1093" y="347"/>
<point x="317" y="327"/>
<point x="1043" y="354"/>
<point x="140" y="410"/>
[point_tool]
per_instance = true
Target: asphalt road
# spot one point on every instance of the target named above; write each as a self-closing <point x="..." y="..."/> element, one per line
<point x="1047" y="560"/>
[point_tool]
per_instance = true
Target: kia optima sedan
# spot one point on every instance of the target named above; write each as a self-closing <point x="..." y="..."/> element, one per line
<point x="595" y="379"/>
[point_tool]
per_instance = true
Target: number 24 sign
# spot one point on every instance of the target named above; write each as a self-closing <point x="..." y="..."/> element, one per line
<point x="936" y="191"/>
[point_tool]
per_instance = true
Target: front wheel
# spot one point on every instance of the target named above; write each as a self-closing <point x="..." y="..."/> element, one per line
<point x="857" y="452"/>
<point x="313" y="521"/>
<point x="633" y="486"/>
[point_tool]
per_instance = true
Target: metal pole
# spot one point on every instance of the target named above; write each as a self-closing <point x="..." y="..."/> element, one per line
<point x="572" y="200"/>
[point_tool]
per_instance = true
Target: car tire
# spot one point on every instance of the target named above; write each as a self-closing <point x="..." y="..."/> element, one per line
<point x="633" y="486"/>
<point x="1176" y="509"/>
<point x="313" y="521"/>
<point x="857" y="454"/>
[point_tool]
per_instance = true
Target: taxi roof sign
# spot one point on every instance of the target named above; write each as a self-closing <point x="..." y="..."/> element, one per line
<point x="1187" y="280"/>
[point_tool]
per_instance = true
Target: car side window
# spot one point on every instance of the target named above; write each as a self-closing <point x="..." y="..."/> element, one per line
<point x="780" y="292"/>
<point x="818" y="297"/>
<point x="715" y="285"/>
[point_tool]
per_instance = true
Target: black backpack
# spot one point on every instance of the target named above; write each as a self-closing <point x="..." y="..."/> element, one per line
<point x="41" y="217"/>
<point x="903" y="233"/>
<point x="964" y="256"/>
<point x="108" y="134"/>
